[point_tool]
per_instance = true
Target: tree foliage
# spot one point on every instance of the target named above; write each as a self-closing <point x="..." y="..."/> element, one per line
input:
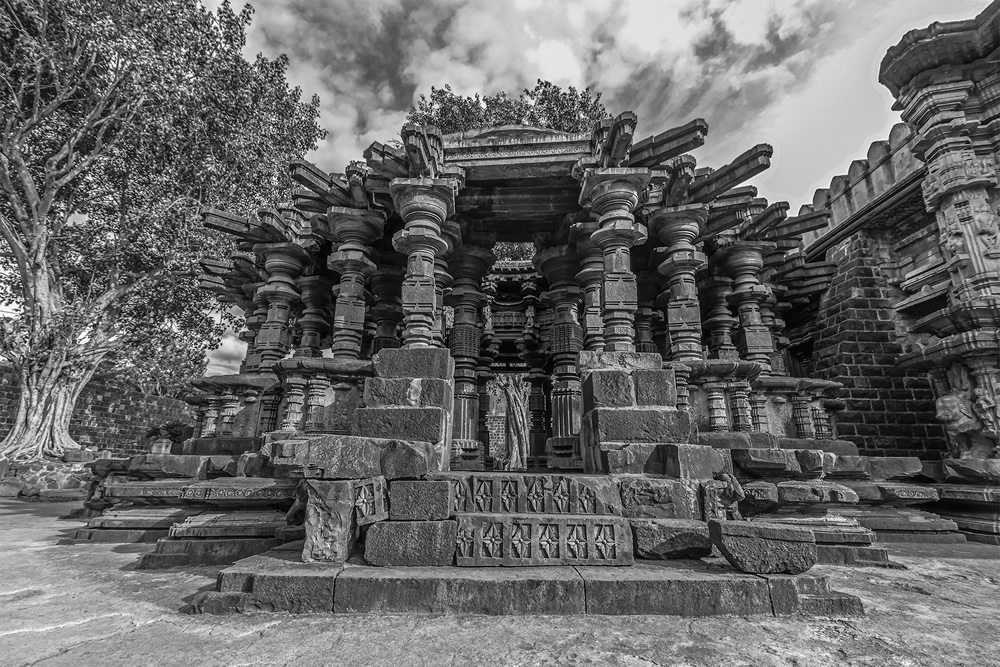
<point x="546" y="105"/>
<point x="119" y="121"/>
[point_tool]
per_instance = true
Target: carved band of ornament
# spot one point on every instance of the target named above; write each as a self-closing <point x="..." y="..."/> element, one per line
<point x="462" y="156"/>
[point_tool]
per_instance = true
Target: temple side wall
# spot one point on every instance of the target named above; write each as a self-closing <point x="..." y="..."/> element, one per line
<point x="104" y="417"/>
<point x="857" y="343"/>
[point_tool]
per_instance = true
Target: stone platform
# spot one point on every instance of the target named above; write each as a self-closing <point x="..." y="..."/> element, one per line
<point x="277" y="581"/>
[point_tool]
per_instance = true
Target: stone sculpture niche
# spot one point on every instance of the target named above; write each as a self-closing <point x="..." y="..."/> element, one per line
<point x="969" y="415"/>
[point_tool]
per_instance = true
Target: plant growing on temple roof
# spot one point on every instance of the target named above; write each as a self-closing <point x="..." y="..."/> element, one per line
<point x="546" y="105"/>
<point x="119" y="121"/>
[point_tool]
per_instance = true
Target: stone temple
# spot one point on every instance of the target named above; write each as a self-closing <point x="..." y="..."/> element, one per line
<point x="684" y="366"/>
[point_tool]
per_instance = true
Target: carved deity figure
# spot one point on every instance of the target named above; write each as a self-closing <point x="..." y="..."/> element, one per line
<point x="966" y="432"/>
<point x="529" y="319"/>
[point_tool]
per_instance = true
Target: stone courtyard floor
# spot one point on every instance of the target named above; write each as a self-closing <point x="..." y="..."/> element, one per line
<point x="87" y="605"/>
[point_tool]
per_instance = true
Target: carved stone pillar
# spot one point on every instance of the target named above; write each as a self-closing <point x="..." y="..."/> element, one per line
<point x="802" y="416"/>
<point x="590" y="277"/>
<point x="229" y="404"/>
<point x="720" y="321"/>
<point x="612" y="195"/>
<point x="284" y="262"/>
<point x="316" y="389"/>
<point x="758" y="405"/>
<point x="957" y="186"/>
<point x="424" y="205"/>
<point x="387" y="284"/>
<point x="354" y="231"/>
<point x="821" y="420"/>
<point x="256" y="315"/>
<point x="468" y="268"/>
<point x="560" y="264"/>
<point x="210" y="426"/>
<point x="770" y="318"/>
<point x="647" y="289"/>
<point x="718" y="415"/>
<point x="740" y="395"/>
<point x="295" y="396"/>
<point x="677" y="227"/>
<point x="316" y="294"/>
<point x="742" y="261"/>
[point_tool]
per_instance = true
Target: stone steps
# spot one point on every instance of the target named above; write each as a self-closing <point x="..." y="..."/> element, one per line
<point x="275" y="581"/>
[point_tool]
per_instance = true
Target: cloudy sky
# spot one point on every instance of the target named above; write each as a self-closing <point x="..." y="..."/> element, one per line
<point x="798" y="74"/>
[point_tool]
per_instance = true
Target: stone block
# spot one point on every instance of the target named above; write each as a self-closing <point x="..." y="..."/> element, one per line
<point x="423" y="362"/>
<point x="760" y="548"/>
<point x="639" y="424"/>
<point x="331" y="527"/>
<point x="604" y="388"/>
<point x="172" y="552"/>
<point x="656" y="498"/>
<point x="767" y="462"/>
<point x="535" y="493"/>
<point x="429" y="425"/>
<point x="410" y="543"/>
<point x="633" y="460"/>
<point x="302" y="592"/>
<point x="810" y="462"/>
<point x="370" y="502"/>
<point x="810" y="596"/>
<point x="977" y="471"/>
<point x="894" y="467"/>
<point x="525" y="539"/>
<point x="656" y="387"/>
<point x="429" y="500"/>
<point x="725" y="440"/>
<point x="850" y="467"/>
<point x="229" y="524"/>
<point x="761" y="494"/>
<point x="680" y="588"/>
<point x="10" y="487"/>
<point x="694" y="461"/>
<point x="493" y="591"/>
<point x="657" y="539"/>
<point x="814" y="491"/>
<point x="410" y="392"/>
<point x="350" y="457"/>
<point x="588" y="361"/>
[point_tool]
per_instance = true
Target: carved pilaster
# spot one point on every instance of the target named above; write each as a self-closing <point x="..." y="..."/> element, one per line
<point x="802" y="416"/>
<point x="742" y="420"/>
<point x="295" y="394"/>
<point x="210" y="417"/>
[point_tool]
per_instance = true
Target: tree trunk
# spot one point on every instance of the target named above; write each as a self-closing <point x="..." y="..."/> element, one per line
<point x="44" y="410"/>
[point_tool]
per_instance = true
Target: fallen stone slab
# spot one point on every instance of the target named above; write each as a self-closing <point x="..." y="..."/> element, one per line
<point x="410" y="543"/>
<point x="116" y="535"/>
<point x="761" y="548"/>
<point x="658" y="539"/>
<point x="529" y="540"/>
<point x="436" y="590"/>
<point x="810" y="596"/>
<point x="229" y="524"/>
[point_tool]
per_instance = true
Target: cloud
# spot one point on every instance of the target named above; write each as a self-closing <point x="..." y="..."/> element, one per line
<point x="226" y="359"/>
<point x="668" y="61"/>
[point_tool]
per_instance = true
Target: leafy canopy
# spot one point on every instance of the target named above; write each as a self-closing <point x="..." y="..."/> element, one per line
<point x="546" y="105"/>
<point x="120" y="120"/>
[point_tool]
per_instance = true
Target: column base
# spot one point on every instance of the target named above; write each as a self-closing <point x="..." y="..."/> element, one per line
<point x="467" y="455"/>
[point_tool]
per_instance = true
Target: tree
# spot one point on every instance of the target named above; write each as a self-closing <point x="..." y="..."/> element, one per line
<point x="120" y="120"/>
<point x="546" y="105"/>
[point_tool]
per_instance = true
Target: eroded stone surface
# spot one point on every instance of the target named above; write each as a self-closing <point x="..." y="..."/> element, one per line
<point x="331" y="527"/>
<point x="427" y="500"/>
<point x="428" y="362"/>
<point x="657" y="498"/>
<point x="410" y="543"/>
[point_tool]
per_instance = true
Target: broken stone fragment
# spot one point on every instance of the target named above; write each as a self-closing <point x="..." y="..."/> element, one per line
<point x="760" y="548"/>
<point x="657" y="539"/>
<point x="410" y="543"/>
<point x="331" y="528"/>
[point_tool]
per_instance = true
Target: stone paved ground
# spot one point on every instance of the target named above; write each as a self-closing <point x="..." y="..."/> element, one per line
<point x="86" y="605"/>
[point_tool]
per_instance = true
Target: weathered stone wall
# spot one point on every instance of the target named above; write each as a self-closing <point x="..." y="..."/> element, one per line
<point x="857" y="343"/>
<point x="104" y="417"/>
